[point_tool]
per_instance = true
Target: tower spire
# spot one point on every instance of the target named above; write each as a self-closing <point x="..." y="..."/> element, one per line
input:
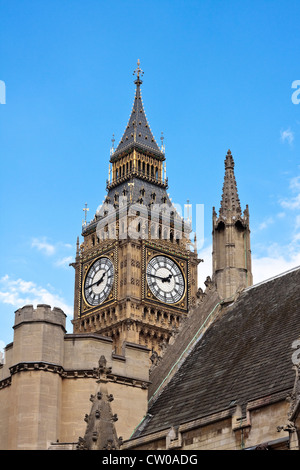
<point x="138" y="132"/>
<point x="231" y="239"/>
<point x="230" y="203"/>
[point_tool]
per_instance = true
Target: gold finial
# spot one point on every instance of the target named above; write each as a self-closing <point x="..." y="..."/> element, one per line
<point x="162" y="148"/>
<point x="85" y="209"/>
<point x="138" y="71"/>
<point x="112" y="149"/>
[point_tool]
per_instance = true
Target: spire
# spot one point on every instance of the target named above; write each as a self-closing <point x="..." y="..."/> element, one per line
<point x="231" y="255"/>
<point x="77" y="248"/>
<point x="138" y="132"/>
<point x="230" y="203"/>
<point x="100" y="431"/>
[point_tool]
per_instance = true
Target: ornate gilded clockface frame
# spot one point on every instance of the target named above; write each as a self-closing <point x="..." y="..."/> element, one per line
<point x="165" y="279"/>
<point x="98" y="281"/>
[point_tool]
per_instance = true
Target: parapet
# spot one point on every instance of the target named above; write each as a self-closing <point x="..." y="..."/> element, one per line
<point x="43" y="313"/>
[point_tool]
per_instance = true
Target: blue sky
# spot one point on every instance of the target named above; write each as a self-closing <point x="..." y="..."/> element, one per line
<point x="217" y="75"/>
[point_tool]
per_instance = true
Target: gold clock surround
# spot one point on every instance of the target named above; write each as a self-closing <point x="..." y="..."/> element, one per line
<point x="87" y="308"/>
<point x="182" y="264"/>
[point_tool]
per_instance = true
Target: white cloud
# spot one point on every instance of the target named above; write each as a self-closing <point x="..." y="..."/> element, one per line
<point x="266" y="223"/>
<point x="287" y="135"/>
<point x="67" y="245"/>
<point x="2" y="346"/>
<point x="205" y="268"/>
<point x="293" y="202"/>
<point x="266" y="267"/>
<point x="64" y="262"/>
<point x="51" y="249"/>
<point x="43" y="246"/>
<point x="275" y="260"/>
<point x="295" y="184"/>
<point x="297" y="222"/>
<point x="19" y="293"/>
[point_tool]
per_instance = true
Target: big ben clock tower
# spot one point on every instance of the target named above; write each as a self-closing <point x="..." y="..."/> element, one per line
<point x="135" y="272"/>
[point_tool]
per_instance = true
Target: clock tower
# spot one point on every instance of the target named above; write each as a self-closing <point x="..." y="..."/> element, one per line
<point x="135" y="272"/>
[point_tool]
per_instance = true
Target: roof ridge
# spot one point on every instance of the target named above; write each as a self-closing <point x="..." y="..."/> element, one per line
<point x="284" y="273"/>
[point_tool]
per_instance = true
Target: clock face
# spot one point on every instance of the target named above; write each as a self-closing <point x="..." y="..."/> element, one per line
<point x="165" y="279"/>
<point x="99" y="281"/>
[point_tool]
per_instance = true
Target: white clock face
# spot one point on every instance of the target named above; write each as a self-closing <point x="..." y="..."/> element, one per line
<point x="99" y="281"/>
<point x="165" y="279"/>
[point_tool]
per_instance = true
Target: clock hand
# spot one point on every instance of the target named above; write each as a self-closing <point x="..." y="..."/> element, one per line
<point x="98" y="282"/>
<point x="167" y="279"/>
<point x="163" y="279"/>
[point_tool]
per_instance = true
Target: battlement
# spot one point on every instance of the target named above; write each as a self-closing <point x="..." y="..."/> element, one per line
<point x="49" y="376"/>
<point x="43" y="313"/>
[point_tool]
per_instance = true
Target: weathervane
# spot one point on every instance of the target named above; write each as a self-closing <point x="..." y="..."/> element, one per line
<point x="138" y="71"/>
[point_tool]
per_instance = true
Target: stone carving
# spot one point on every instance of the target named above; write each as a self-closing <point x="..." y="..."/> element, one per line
<point x="208" y="283"/>
<point x="294" y="400"/>
<point x="100" y="431"/>
<point x="200" y="294"/>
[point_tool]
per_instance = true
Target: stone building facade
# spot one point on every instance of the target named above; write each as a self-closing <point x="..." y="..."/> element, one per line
<point x="49" y="377"/>
<point x="230" y="379"/>
<point x="154" y="362"/>
<point x="141" y="241"/>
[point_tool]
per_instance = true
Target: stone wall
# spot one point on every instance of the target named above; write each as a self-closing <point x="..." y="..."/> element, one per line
<point x="226" y="430"/>
<point x="49" y="376"/>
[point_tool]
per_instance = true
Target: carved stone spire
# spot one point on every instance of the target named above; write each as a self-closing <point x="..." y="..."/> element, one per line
<point x="230" y="203"/>
<point x="100" y="431"/>
<point x="232" y="270"/>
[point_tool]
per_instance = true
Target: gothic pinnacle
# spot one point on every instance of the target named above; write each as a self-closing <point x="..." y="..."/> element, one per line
<point x="229" y="162"/>
<point x="230" y="203"/>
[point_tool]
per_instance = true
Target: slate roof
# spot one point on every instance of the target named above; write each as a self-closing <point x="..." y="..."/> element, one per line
<point x="138" y="131"/>
<point x="141" y="189"/>
<point x="244" y="355"/>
